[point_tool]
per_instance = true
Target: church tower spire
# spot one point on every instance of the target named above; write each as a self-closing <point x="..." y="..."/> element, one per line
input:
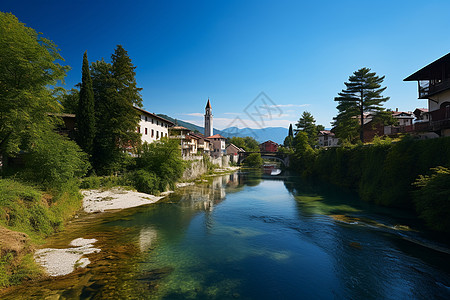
<point x="208" y="120"/>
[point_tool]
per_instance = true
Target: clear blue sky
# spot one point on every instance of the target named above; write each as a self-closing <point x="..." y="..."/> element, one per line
<point x="299" y="53"/>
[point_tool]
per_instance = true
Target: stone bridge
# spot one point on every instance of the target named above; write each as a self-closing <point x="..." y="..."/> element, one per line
<point x="283" y="157"/>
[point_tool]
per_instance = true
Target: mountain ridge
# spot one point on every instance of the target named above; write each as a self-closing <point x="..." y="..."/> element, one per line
<point x="276" y="134"/>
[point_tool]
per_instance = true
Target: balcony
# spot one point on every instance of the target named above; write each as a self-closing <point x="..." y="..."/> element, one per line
<point x="428" y="88"/>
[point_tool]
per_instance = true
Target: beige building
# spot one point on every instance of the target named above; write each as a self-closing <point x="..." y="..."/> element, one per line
<point x="152" y="127"/>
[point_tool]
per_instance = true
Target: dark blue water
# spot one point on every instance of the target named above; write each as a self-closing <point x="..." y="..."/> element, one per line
<point x="242" y="236"/>
<point x="250" y="238"/>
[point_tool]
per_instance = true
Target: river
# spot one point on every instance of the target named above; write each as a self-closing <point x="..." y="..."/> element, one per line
<point x="251" y="236"/>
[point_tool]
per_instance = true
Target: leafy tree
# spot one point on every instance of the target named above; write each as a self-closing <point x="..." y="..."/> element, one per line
<point x="162" y="158"/>
<point x="254" y="160"/>
<point x="69" y="101"/>
<point x="115" y="94"/>
<point x="28" y="69"/>
<point x="363" y="94"/>
<point x="85" y="111"/>
<point x="54" y="160"/>
<point x="247" y="143"/>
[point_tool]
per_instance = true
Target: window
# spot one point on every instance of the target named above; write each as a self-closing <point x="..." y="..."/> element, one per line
<point x="157" y="134"/>
<point x="145" y="118"/>
<point x="153" y="133"/>
<point x="157" y="123"/>
<point x="152" y="120"/>
<point x="146" y="131"/>
<point x="139" y="129"/>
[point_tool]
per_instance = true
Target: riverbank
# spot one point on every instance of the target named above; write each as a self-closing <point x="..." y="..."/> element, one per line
<point x="59" y="262"/>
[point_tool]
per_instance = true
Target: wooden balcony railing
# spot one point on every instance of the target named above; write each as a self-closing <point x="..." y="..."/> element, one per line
<point x="427" y="89"/>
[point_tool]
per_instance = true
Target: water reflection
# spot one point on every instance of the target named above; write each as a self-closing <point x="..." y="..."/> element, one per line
<point x="245" y="236"/>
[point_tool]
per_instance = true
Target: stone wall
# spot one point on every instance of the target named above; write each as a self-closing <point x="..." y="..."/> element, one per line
<point x="198" y="167"/>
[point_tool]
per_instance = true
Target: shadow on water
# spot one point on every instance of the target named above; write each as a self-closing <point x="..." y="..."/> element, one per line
<point x="250" y="236"/>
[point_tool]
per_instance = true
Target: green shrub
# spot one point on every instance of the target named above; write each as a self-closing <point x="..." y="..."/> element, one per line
<point x="162" y="158"/>
<point x="54" y="160"/>
<point x="254" y="160"/>
<point x="432" y="200"/>
<point x="146" y="182"/>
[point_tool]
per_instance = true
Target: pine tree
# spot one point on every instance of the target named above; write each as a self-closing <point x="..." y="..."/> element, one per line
<point x="363" y="94"/>
<point x="307" y="124"/>
<point x="85" y="112"/>
<point x="115" y="93"/>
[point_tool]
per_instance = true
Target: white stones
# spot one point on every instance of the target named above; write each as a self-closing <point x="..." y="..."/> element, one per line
<point x="115" y="198"/>
<point x="60" y="262"/>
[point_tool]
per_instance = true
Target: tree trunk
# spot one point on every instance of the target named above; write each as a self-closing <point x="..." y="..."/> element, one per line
<point x="361" y="127"/>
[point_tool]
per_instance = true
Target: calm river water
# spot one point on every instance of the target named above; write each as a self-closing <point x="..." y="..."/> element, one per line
<point x="244" y="236"/>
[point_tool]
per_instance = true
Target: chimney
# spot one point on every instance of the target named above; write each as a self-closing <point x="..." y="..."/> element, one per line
<point x="396" y="110"/>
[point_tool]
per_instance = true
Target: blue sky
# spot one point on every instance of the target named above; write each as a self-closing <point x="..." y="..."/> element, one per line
<point x="298" y="53"/>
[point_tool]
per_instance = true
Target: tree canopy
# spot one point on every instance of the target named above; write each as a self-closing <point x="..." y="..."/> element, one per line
<point x="247" y="143"/>
<point x="363" y="94"/>
<point x="115" y="94"/>
<point x="307" y="124"/>
<point x="28" y="68"/>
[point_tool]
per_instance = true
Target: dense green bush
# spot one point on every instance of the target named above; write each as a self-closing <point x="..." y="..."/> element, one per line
<point x="26" y="209"/>
<point x="145" y="182"/>
<point x="162" y="158"/>
<point x="432" y="200"/>
<point x="254" y="160"/>
<point x="381" y="173"/>
<point x="54" y="160"/>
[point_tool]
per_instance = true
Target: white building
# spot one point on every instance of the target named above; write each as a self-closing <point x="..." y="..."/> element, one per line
<point x="403" y="118"/>
<point x="327" y="139"/>
<point x="152" y="127"/>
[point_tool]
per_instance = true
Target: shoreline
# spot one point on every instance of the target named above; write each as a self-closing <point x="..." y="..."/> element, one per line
<point x="60" y="262"/>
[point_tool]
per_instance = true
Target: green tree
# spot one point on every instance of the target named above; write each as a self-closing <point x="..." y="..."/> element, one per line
<point x="28" y="70"/>
<point x="363" y="94"/>
<point x="162" y="158"/>
<point x="115" y="94"/>
<point x="307" y="124"/>
<point x="85" y="111"/>
<point x="247" y="143"/>
<point x="288" y="141"/>
<point x="69" y="101"/>
<point x="254" y="160"/>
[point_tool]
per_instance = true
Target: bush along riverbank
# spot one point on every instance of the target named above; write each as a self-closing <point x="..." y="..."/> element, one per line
<point x="410" y="174"/>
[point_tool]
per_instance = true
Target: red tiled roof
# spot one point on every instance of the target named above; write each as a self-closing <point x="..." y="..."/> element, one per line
<point x="216" y="136"/>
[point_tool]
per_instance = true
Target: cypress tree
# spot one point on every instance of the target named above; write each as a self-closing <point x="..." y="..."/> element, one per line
<point x="291" y="132"/>
<point x="86" y="112"/>
<point x="363" y="94"/>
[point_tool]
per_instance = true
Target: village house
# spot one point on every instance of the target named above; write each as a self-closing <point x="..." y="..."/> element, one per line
<point x="268" y="146"/>
<point x="152" y="127"/>
<point x="233" y="152"/>
<point x="327" y="138"/>
<point x="422" y="115"/>
<point x="434" y="85"/>
<point x="404" y="122"/>
<point x="218" y="142"/>
<point x="204" y="145"/>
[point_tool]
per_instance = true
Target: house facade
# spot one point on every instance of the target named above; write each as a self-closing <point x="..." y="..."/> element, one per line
<point x="152" y="127"/>
<point x="218" y="142"/>
<point x="327" y="138"/>
<point x="434" y="85"/>
<point x="268" y="146"/>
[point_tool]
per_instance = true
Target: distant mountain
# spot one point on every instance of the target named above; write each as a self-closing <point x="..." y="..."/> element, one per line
<point x="276" y="134"/>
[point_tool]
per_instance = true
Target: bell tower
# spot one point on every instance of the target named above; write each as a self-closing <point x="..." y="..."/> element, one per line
<point x="208" y="120"/>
